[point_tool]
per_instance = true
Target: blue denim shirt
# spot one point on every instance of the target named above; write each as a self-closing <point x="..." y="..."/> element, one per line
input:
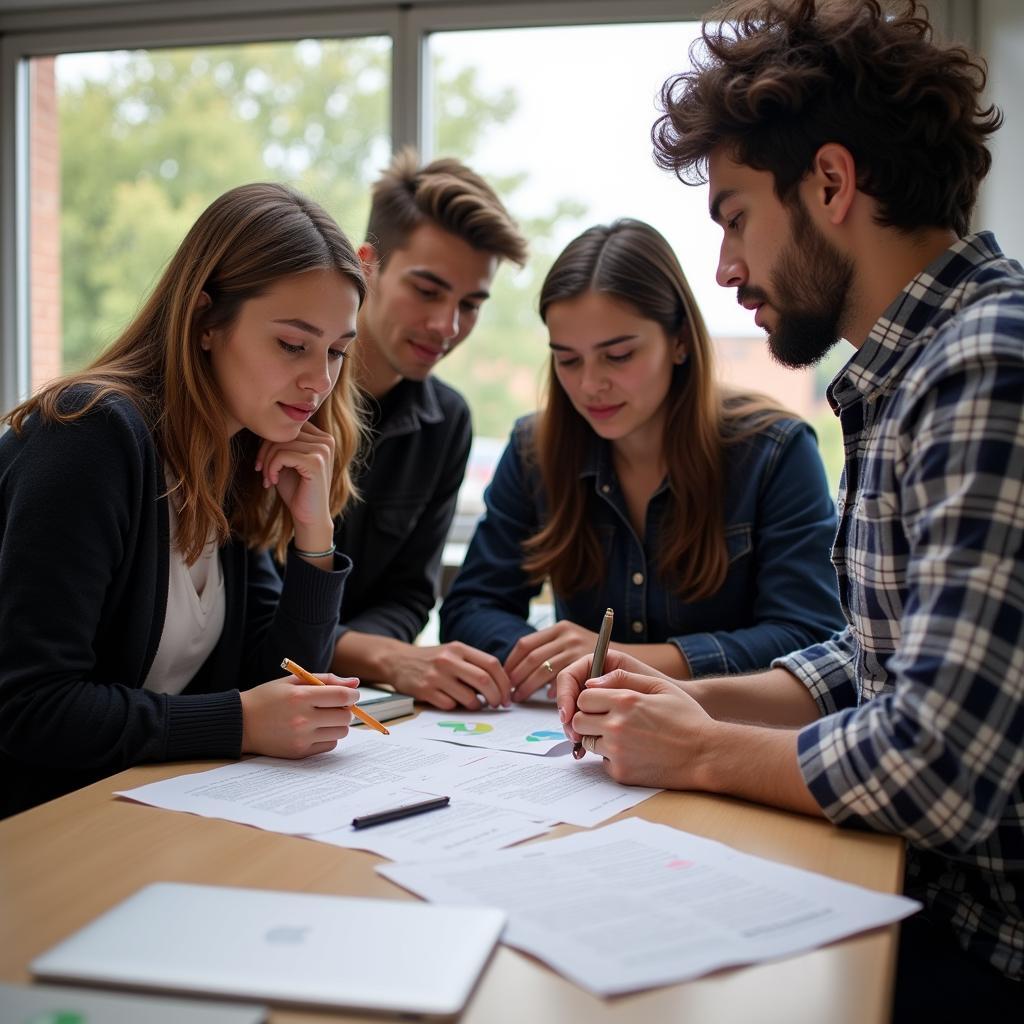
<point x="779" y="594"/>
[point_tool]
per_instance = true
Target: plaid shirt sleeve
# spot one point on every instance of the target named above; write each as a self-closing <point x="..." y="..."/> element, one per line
<point x="828" y="670"/>
<point x="938" y="754"/>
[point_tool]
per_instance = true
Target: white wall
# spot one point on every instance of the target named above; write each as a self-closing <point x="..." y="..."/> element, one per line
<point x="1000" y="29"/>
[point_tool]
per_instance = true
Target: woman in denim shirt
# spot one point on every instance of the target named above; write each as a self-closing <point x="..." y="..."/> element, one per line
<point x="700" y="515"/>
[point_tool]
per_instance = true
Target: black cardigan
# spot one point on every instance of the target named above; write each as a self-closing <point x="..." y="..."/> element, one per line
<point x="84" y="550"/>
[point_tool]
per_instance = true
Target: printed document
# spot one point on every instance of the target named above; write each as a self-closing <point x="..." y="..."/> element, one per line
<point x="461" y="827"/>
<point x="555" y="788"/>
<point x="524" y="730"/>
<point x="313" y="795"/>
<point x="365" y="770"/>
<point x="634" y="905"/>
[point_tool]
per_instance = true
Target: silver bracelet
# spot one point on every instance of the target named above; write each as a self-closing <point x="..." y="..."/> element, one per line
<point x="316" y="554"/>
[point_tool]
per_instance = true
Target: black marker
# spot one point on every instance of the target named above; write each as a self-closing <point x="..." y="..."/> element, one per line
<point x="405" y="811"/>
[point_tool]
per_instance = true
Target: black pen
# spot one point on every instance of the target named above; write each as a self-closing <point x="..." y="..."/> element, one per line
<point x="405" y="811"/>
<point x="597" y="665"/>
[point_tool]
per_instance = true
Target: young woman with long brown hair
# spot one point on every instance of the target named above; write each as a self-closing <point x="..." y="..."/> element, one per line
<point x="141" y="618"/>
<point x="700" y="515"/>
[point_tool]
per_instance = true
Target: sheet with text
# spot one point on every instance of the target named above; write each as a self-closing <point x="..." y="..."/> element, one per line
<point x="635" y="905"/>
<point x="318" y="797"/>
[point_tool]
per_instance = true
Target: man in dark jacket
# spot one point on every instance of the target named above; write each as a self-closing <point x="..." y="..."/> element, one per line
<point x="435" y="237"/>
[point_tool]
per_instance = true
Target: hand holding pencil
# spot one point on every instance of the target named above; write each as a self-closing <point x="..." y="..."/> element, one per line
<point x="307" y="677"/>
<point x="287" y="718"/>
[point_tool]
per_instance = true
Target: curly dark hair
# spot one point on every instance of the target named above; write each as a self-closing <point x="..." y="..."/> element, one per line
<point x="774" y="81"/>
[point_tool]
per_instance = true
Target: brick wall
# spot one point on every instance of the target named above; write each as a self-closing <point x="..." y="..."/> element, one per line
<point x="44" y="223"/>
<point x="745" y="363"/>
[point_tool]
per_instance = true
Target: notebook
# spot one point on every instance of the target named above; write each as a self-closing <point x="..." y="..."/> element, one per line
<point x="60" y="1004"/>
<point x="282" y="947"/>
<point x="383" y="704"/>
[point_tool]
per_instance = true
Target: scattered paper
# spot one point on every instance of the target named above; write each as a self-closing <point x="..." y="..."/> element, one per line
<point x="313" y="795"/>
<point x="555" y="788"/>
<point x="461" y="827"/>
<point x="634" y="905"/>
<point x="365" y="771"/>
<point x="524" y="730"/>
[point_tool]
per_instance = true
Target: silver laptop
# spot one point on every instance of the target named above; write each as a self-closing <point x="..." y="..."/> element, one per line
<point x="390" y="956"/>
<point x="53" y="1004"/>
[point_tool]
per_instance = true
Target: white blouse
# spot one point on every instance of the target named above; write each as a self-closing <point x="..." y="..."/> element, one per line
<point x="194" y="619"/>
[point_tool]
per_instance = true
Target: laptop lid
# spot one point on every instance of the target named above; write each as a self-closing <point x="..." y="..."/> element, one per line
<point x="393" y="956"/>
<point x="61" y="1004"/>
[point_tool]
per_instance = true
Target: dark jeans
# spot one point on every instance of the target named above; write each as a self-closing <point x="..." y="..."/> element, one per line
<point x="936" y="981"/>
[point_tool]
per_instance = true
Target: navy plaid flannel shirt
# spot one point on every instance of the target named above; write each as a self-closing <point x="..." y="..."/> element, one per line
<point x="923" y="693"/>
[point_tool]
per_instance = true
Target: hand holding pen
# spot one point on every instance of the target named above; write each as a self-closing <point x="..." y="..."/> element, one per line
<point x="596" y="667"/>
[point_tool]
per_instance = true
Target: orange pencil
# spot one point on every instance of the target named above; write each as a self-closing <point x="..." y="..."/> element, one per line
<point x="307" y="677"/>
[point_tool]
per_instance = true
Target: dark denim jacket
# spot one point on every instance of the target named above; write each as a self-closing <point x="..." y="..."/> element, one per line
<point x="779" y="595"/>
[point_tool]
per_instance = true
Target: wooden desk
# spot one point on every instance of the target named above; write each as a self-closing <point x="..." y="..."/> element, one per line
<point x="63" y="863"/>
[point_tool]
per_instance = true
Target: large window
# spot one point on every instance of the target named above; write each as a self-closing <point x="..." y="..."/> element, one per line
<point x="133" y="145"/>
<point x="106" y="156"/>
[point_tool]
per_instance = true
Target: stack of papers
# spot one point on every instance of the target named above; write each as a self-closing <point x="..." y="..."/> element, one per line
<point x="497" y="797"/>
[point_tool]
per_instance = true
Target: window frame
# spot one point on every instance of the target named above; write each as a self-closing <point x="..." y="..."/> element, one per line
<point x="30" y="29"/>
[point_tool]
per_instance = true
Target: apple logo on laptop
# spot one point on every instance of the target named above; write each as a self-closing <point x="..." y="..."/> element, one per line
<point x="287" y="934"/>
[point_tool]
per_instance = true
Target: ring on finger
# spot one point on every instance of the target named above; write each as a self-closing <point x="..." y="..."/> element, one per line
<point x="549" y="666"/>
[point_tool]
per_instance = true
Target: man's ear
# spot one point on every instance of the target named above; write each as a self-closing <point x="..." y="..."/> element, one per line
<point x="369" y="261"/>
<point x="831" y="186"/>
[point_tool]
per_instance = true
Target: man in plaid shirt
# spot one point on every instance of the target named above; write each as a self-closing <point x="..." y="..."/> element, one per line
<point x="844" y="151"/>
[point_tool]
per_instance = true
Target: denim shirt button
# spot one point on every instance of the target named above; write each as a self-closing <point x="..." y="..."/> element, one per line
<point x="605" y="488"/>
<point x="638" y="627"/>
<point x="638" y="578"/>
